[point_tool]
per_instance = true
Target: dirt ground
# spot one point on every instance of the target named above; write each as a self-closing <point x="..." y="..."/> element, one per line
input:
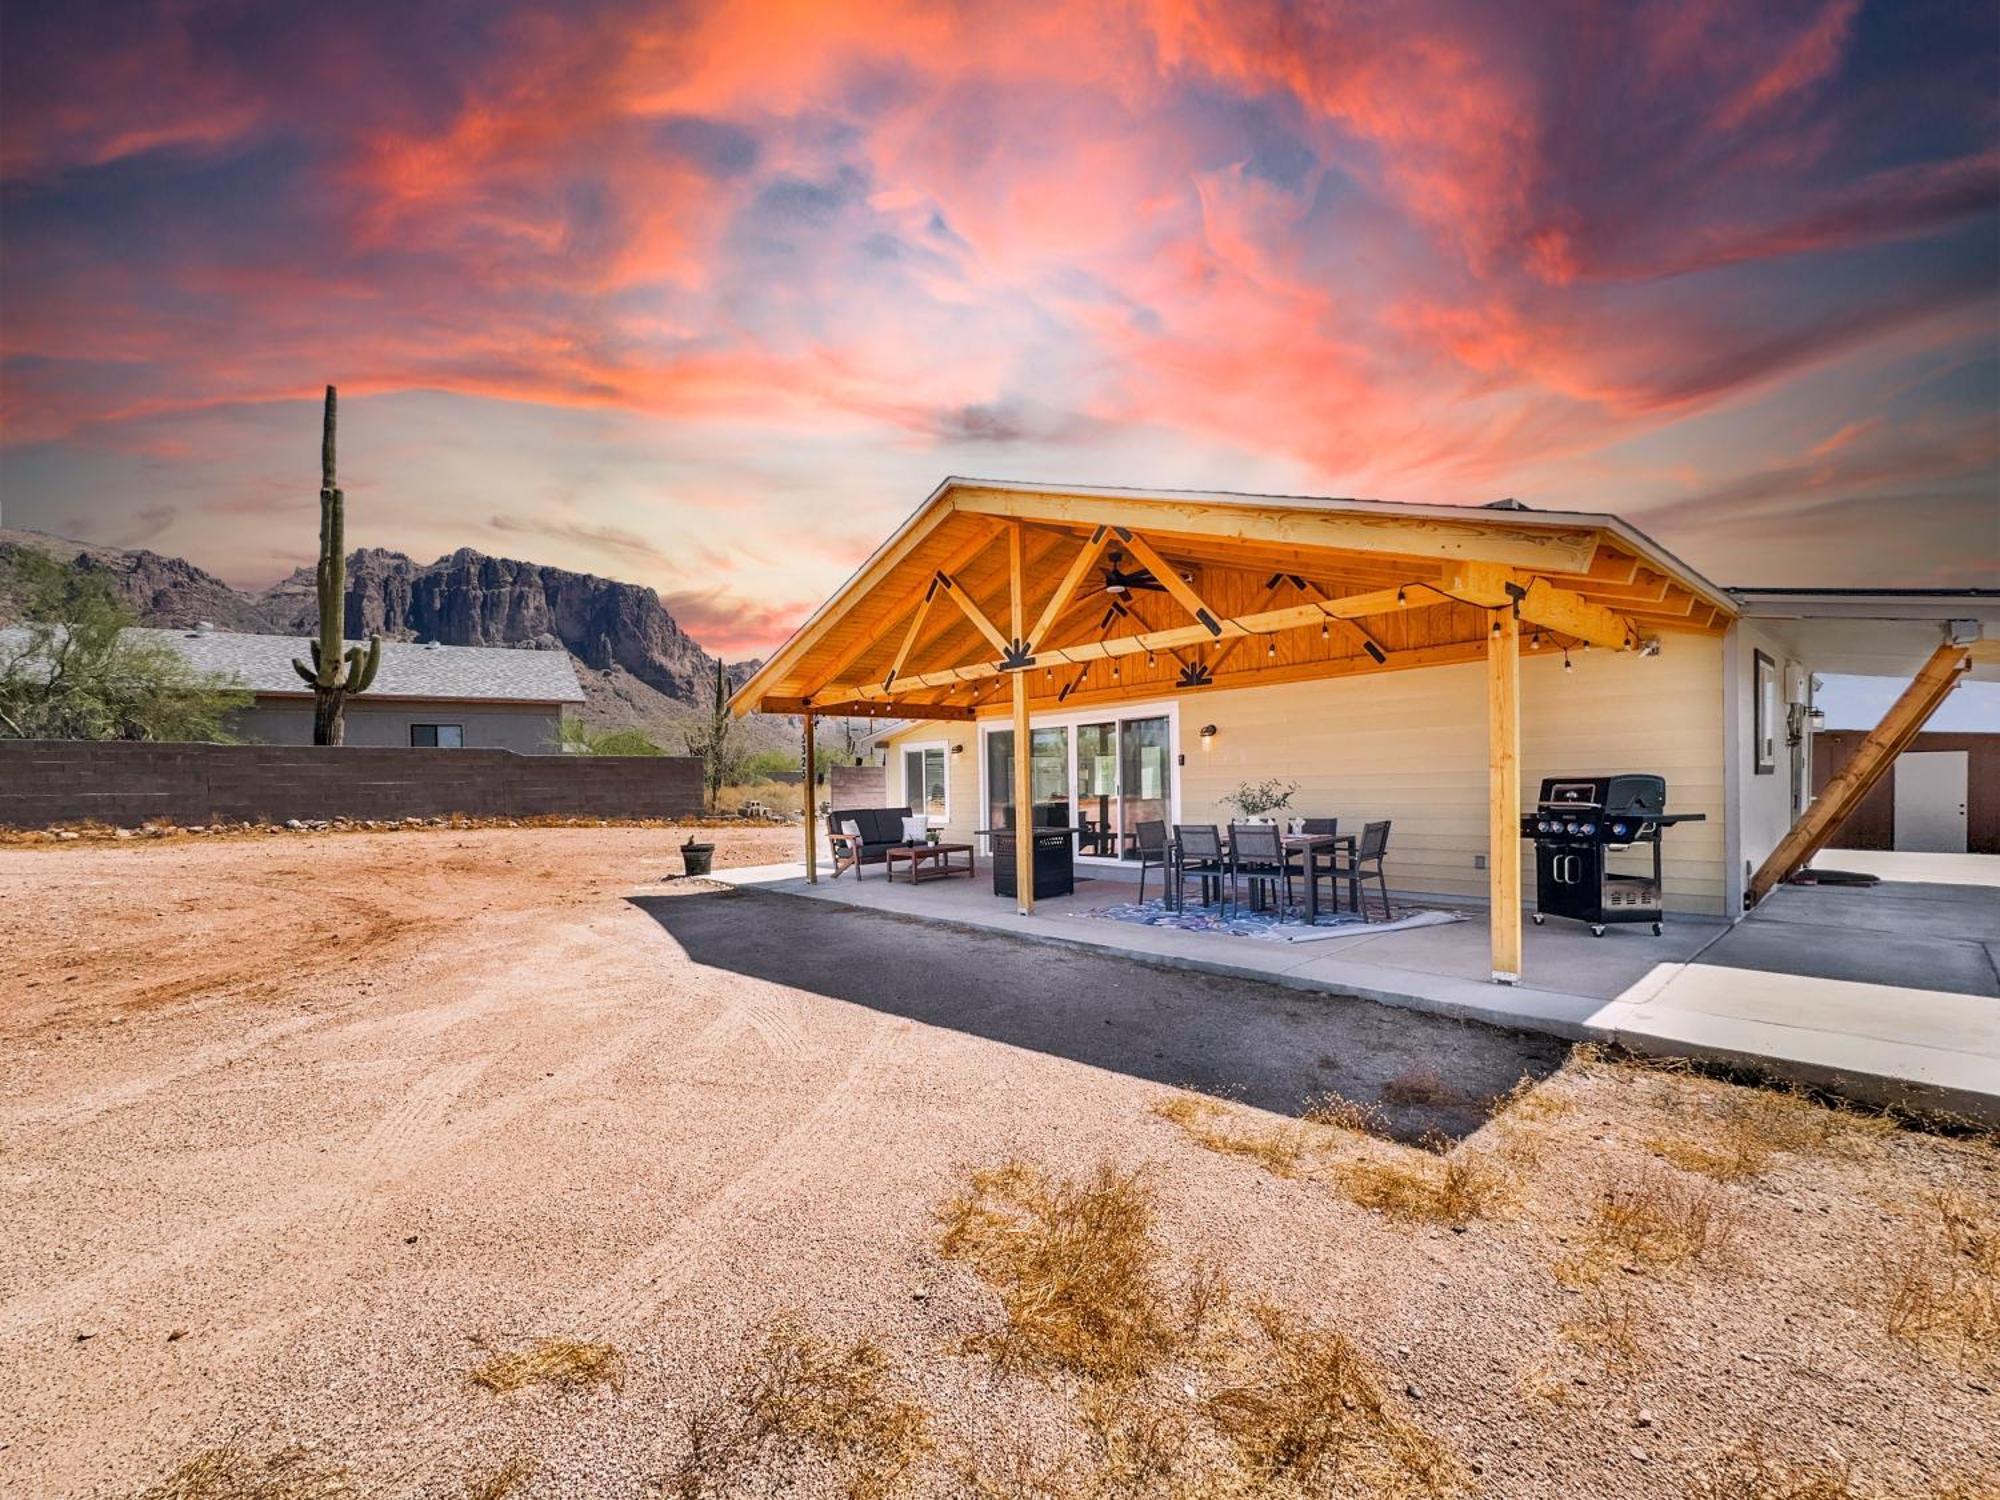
<point x="299" y="1133"/>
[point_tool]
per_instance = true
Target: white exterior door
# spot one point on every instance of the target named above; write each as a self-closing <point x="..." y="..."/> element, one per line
<point x="1930" y="801"/>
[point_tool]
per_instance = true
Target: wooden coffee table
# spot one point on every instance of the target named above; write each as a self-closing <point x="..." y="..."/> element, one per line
<point x="929" y="861"/>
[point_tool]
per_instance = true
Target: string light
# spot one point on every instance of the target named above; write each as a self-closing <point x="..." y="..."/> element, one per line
<point x="1271" y="648"/>
<point x="1401" y="597"/>
<point x="1325" y="630"/>
<point x="1149" y="660"/>
<point x="1535" y="641"/>
<point x="1566" y="666"/>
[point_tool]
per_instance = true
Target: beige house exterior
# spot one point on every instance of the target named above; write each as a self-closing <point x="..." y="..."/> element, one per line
<point x="1425" y="665"/>
<point x="1411" y="747"/>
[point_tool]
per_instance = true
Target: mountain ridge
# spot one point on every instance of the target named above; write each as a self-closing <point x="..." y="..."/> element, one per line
<point x="637" y="665"/>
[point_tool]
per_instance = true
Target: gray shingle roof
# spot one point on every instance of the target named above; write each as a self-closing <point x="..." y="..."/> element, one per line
<point x="263" y="664"/>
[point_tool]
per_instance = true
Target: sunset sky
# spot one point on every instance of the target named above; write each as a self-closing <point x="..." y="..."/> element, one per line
<point x="709" y="296"/>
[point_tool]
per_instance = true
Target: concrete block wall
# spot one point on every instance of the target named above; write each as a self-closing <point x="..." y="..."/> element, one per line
<point x="125" y="784"/>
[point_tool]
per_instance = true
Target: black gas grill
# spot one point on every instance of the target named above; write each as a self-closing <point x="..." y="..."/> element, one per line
<point x="1580" y="823"/>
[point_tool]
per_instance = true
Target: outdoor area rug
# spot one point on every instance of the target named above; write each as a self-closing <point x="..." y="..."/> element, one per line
<point x="1242" y="922"/>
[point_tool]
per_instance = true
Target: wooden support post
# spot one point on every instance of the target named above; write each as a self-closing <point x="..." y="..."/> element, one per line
<point x="1870" y="761"/>
<point x="1503" y="766"/>
<point x="1024" y="793"/>
<point x="812" y="820"/>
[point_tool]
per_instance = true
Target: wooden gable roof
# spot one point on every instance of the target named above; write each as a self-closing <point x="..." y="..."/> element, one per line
<point x="1220" y="590"/>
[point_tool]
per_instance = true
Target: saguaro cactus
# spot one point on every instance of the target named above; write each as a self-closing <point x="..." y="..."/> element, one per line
<point x="338" y="671"/>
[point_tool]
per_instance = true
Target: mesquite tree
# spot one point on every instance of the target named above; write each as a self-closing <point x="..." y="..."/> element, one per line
<point x="338" y="671"/>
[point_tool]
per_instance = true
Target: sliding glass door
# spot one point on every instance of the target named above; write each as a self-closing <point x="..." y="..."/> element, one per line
<point x="1048" y="777"/>
<point x="1101" y="776"/>
<point x="1146" y="777"/>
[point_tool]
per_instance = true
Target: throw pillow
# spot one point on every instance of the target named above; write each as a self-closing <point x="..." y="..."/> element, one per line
<point x="851" y="828"/>
<point x="915" y="830"/>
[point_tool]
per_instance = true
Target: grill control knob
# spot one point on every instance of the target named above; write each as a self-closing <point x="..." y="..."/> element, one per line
<point x="1570" y="826"/>
<point x="1541" y="825"/>
<point x="1588" y="828"/>
<point x="1618" y="829"/>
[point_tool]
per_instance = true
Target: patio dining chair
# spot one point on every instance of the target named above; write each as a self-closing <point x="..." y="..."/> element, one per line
<point x="1257" y="854"/>
<point x="1367" y="862"/>
<point x="1198" y="851"/>
<point x="1154" y="854"/>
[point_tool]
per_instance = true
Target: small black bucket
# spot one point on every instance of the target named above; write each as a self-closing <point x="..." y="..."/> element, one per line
<point x="696" y="858"/>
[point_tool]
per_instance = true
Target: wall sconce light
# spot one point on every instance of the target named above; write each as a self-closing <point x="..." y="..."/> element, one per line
<point x="958" y="749"/>
<point x="1816" y="719"/>
<point x="1207" y="735"/>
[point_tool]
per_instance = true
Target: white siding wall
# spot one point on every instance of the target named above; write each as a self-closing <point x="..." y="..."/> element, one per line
<point x="1762" y="805"/>
<point x="1411" y="747"/>
<point x="961" y="775"/>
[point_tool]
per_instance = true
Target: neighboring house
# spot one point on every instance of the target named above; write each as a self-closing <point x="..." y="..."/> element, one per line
<point x="1355" y="648"/>
<point x="447" y="697"/>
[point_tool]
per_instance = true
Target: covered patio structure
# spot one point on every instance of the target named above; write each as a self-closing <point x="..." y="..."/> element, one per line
<point x="1004" y="602"/>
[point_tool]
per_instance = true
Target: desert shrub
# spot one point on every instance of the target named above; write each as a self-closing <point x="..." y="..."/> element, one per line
<point x="1075" y="1266"/>
<point x="800" y="1402"/>
<point x="1305" y="1408"/>
<point x="1942" y="1283"/>
<point x="1652" y="1220"/>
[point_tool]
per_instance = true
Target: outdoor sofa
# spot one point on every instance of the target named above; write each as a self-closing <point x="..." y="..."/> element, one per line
<point x="878" y="830"/>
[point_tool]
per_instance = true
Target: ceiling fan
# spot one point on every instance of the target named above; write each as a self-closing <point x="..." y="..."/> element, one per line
<point x="1118" y="581"/>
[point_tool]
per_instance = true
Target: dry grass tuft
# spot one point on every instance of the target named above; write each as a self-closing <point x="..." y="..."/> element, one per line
<point x="1748" y="1127"/>
<point x="1650" y="1222"/>
<point x="1423" y="1186"/>
<point x="1075" y="1266"/>
<point x="1306" y="1410"/>
<point x="1943" y="1283"/>
<point x="503" y="1481"/>
<point x="228" y="1473"/>
<point x="1527" y="1101"/>
<point x="1614" y="1327"/>
<point x="1753" y="1471"/>
<point x="558" y="1362"/>
<point x="1419" y="1084"/>
<point x="1278" y="1148"/>
<point x="800" y="1401"/>
<point x="1336" y="1112"/>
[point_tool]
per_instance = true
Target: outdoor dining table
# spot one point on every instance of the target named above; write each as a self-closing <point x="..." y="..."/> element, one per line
<point x="1310" y="844"/>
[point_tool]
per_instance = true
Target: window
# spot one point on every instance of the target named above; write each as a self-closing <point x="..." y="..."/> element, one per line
<point x="926" y="787"/>
<point x="437" y="736"/>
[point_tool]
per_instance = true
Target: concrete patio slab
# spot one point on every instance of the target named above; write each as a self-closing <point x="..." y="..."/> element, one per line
<point x="1888" y="1044"/>
<point x="1932" y="937"/>
<point x="1885" y="995"/>
<point x="1913" y="866"/>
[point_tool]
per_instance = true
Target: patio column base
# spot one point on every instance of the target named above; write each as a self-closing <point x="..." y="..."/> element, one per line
<point x="1501" y="976"/>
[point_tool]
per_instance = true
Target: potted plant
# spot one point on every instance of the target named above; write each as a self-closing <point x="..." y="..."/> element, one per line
<point x="696" y="859"/>
<point x="1258" y="800"/>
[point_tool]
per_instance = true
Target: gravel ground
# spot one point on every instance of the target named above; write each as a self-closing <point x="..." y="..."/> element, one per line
<point x="297" y="1130"/>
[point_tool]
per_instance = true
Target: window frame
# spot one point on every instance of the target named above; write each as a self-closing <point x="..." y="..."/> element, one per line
<point x="911" y="799"/>
<point x="437" y="737"/>
<point x="1766" y="708"/>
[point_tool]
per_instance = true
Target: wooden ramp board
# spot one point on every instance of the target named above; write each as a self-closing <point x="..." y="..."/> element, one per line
<point x="1871" y="760"/>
